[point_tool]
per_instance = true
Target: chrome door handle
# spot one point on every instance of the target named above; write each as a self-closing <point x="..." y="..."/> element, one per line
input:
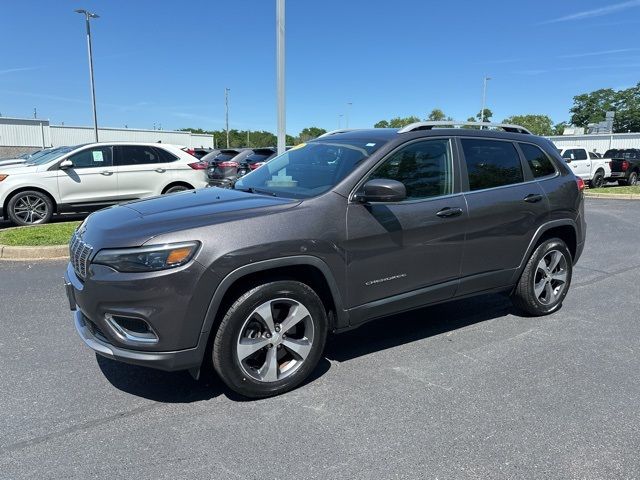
<point x="449" y="212"/>
<point x="533" y="198"/>
<point x="160" y="170"/>
<point x="106" y="173"/>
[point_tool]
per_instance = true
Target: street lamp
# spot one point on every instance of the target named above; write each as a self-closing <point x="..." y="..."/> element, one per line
<point x="348" y="112"/>
<point x="226" y="112"/>
<point x="88" y="16"/>
<point x="484" y="97"/>
<point x="280" y="31"/>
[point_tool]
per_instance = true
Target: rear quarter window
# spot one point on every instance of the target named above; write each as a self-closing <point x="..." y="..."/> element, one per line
<point x="539" y="162"/>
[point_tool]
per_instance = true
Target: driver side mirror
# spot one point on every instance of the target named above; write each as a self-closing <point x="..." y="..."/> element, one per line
<point x="65" y="164"/>
<point x="381" y="190"/>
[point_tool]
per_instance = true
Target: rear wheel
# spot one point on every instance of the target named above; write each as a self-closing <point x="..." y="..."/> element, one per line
<point x="598" y="180"/>
<point x="270" y="339"/>
<point x="633" y="179"/>
<point x="545" y="280"/>
<point x="30" y="208"/>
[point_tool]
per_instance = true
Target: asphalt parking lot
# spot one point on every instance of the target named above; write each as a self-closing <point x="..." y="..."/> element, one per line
<point x="463" y="390"/>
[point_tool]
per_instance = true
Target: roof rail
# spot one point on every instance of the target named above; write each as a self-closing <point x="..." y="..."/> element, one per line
<point x="412" y="127"/>
<point x="333" y="132"/>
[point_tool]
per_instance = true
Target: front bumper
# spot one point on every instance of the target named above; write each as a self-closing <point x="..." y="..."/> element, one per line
<point x="169" y="361"/>
<point x="166" y="302"/>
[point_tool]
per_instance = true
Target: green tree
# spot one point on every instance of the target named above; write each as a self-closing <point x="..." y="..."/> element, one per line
<point x="436" y="115"/>
<point x="591" y="107"/>
<point x="381" y="124"/>
<point x="537" y="124"/>
<point x="558" y="128"/>
<point x="397" y="122"/>
<point x="487" y="115"/>
<point x="310" y="133"/>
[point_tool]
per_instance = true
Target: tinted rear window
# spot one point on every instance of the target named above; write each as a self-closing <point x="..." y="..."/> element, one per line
<point x="221" y="157"/>
<point x="538" y="161"/>
<point x="491" y="163"/>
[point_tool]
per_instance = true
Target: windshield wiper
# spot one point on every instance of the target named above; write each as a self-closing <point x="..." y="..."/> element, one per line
<point x="256" y="190"/>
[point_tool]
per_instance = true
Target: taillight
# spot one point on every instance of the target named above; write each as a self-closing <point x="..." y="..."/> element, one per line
<point x="199" y="165"/>
<point x="227" y="164"/>
<point x="253" y="166"/>
<point x="624" y="166"/>
<point x="580" y="183"/>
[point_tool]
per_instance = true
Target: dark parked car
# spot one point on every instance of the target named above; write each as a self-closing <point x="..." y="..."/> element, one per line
<point x="257" y="158"/>
<point x="223" y="168"/>
<point x="625" y="165"/>
<point x="350" y="227"/>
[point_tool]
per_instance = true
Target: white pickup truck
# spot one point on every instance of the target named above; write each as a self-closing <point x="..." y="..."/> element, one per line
<point x="589" y="166"/>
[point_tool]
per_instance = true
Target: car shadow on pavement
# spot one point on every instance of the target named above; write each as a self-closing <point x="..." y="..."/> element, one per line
<point x="396" y="330"/>
<point x="157" y="385"/>
<point x="388" y="332"/>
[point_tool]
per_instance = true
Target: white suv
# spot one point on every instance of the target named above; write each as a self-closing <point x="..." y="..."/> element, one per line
<point x="93" y="176"/>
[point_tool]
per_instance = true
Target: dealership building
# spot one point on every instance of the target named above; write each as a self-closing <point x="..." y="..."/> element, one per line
<point x="19" y="135"/>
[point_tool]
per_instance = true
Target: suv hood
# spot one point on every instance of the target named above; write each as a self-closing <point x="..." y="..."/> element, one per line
<point x="135" y="223"/>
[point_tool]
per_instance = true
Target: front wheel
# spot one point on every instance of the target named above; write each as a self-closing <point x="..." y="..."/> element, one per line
<point x="545" y="280"/>
<point x="270" y="339"/>
<point x="30" y="207"/>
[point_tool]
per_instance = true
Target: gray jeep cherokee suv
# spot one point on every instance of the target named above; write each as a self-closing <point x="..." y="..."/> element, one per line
<point x="352" y="226"/>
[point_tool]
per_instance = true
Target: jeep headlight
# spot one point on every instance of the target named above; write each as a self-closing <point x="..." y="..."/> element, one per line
<point x="147" y="259"/>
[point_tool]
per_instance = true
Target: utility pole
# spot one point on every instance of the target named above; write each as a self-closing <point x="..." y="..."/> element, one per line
<point x="35" y="112"/>
<point x="88" y="16"/>
<point x="247" y="138"/>
<point x="484" y="97"/>
<point x="226" y="112"/>
<point x="348" y="113"/>
<point x="280" y="52"/>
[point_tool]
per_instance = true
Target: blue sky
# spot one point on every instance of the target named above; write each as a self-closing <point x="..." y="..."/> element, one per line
<point x="168" y="62"/>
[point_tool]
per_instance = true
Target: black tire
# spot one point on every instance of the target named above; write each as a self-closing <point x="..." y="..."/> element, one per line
<point x="633" y="179"/>
<point x="598" y="180"/>
<point x="524" y="296"/>
<point x="30" y="207"/>
<point x="225" y="353"/>
<point x="177" y="188"/>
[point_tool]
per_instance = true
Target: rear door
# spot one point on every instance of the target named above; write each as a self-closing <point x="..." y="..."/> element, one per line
<point x="506" y="207"/>
<point x="142" y="171"/>
<point x="91" y="180"/>
<point x="396" y="248"/>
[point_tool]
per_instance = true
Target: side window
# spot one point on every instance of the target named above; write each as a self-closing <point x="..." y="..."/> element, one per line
<point x="136" y="155"/>
<point x="593" y="156"/>
<point x="580" y="154"/>
<point x="540" y="164"/>
<point x="165" y="156"/>
<point x="92" y="157"/>
<point x="425" y="169"/>
<point x="491" y="163"/>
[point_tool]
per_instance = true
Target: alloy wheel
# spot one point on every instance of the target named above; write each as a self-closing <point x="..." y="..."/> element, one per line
<point x="551" y="276"/>
<point x="275" y="340"/>
<point x="31" y="209"/>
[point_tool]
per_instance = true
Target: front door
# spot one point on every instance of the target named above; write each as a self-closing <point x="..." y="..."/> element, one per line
<point x="91" y="181"/>
<point x="580" y="162"/>
<point x="413" y="247"/>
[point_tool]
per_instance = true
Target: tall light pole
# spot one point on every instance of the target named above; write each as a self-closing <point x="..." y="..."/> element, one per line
<point x="226" y="112"/>
<point x="348" y="112"/>
<point x="280" y="31"/>
<point x="340" y="115"/>
<point x="484" y="97"/>
<point x="88" y="16"/>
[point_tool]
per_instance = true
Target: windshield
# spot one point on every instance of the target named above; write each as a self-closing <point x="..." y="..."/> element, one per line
<point x="50" y="155"/>
<point x="308" y="169"/>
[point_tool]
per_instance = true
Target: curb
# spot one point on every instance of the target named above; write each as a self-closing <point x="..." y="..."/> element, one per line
<point x="8" y="252"/>
<point x="611" y="196"/>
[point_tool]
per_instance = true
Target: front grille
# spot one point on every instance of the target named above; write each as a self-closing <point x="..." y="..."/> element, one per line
<point x="79" y="254"/>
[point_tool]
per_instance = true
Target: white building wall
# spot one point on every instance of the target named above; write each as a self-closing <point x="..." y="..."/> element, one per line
<point x="598" y="142"/>
<point x="16" y="132"/>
